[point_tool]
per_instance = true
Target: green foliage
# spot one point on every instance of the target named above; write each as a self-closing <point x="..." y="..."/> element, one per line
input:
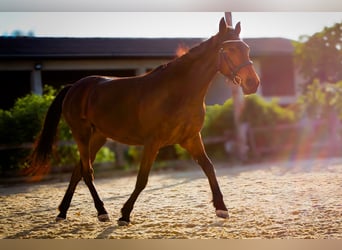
<point x="318" y="99"/>
<point x="105" y="155"/>
<point x="182" y="154"/>
<point x="258" y="112"/>
<point x="219" y="119"/>
<point x="320" y="55"/>
<point x="133" y="156"/>
<point x="23" y="122"/>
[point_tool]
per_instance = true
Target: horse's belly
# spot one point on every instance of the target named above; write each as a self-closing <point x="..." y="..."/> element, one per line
<point x="124" y="130"/>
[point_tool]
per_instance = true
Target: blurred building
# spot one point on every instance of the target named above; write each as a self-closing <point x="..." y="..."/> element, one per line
<point x="28" y="63"/>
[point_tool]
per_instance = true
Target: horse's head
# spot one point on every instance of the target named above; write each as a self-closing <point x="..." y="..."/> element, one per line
<point x="234" y="61"/>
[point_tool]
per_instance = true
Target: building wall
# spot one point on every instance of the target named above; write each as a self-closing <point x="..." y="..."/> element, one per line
<point x="277" y="76"/>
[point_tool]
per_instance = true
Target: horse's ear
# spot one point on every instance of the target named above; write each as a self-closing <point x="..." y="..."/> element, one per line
<point x="238" y="28"/>
<point x="223" y="26"/>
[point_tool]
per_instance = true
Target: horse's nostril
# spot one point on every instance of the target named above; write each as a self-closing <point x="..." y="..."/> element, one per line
<point x="250" y="83"/>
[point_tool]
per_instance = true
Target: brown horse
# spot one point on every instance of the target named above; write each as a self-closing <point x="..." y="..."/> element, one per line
<point x="160" y="108"/>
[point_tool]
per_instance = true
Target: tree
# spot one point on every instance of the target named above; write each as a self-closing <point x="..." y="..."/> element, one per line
<point x="19" y="33"/>
<point x="320" y="56"/>
<point x="320" y="99"/>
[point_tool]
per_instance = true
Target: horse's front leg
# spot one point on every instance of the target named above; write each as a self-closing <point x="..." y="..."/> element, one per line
<point x="149" y="154"/>
<point x="196" y="149"/>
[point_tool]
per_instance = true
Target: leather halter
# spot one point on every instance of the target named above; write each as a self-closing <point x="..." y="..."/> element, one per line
<point x="234" y="70"/>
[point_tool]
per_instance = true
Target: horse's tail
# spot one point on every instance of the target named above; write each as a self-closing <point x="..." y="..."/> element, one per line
<point x="39" y="159"/>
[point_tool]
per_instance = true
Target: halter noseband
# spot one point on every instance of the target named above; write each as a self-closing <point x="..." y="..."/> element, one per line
<point x="236" y="79"/>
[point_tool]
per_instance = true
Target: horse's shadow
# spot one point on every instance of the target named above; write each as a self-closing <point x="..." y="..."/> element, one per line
<point x="107" y="232"/>
<point x="152" y="189"/>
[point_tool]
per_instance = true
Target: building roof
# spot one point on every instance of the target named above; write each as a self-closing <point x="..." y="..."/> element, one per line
<point x="40" y="47"/>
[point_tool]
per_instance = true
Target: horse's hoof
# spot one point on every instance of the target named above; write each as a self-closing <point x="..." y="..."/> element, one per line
<point x="60" y="219"/>
<point x="123" y="223"/>
<point x="103" y="218"/>
<point x="222" y="214"/>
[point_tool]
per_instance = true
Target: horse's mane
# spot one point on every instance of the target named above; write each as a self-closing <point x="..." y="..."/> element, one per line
<point x="191" y="55"/>
<point x="196" y="51"/>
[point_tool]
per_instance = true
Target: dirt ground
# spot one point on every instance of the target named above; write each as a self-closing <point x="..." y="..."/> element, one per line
<point x="286" y="200"/>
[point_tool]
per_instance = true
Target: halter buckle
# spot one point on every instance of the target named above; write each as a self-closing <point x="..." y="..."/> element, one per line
<point x="237" y="80"/>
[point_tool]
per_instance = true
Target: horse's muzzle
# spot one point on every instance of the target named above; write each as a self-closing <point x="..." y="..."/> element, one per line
<point x="250" y="86"/>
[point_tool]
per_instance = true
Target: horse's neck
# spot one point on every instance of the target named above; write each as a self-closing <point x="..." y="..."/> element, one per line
<point x="200" y="70"/>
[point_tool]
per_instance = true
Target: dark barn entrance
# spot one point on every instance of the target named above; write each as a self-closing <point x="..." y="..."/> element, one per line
<point x="14" y="84"/>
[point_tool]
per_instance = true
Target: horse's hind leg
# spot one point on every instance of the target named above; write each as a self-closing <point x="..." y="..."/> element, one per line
<point x="88" y="146"/>
<point x="195" y="147"/>
<point x="65" y="204"/>
<point x="96" y="142"/>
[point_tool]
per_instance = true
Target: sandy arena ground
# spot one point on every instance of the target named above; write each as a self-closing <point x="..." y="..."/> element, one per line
<point x="301" y="199"/>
